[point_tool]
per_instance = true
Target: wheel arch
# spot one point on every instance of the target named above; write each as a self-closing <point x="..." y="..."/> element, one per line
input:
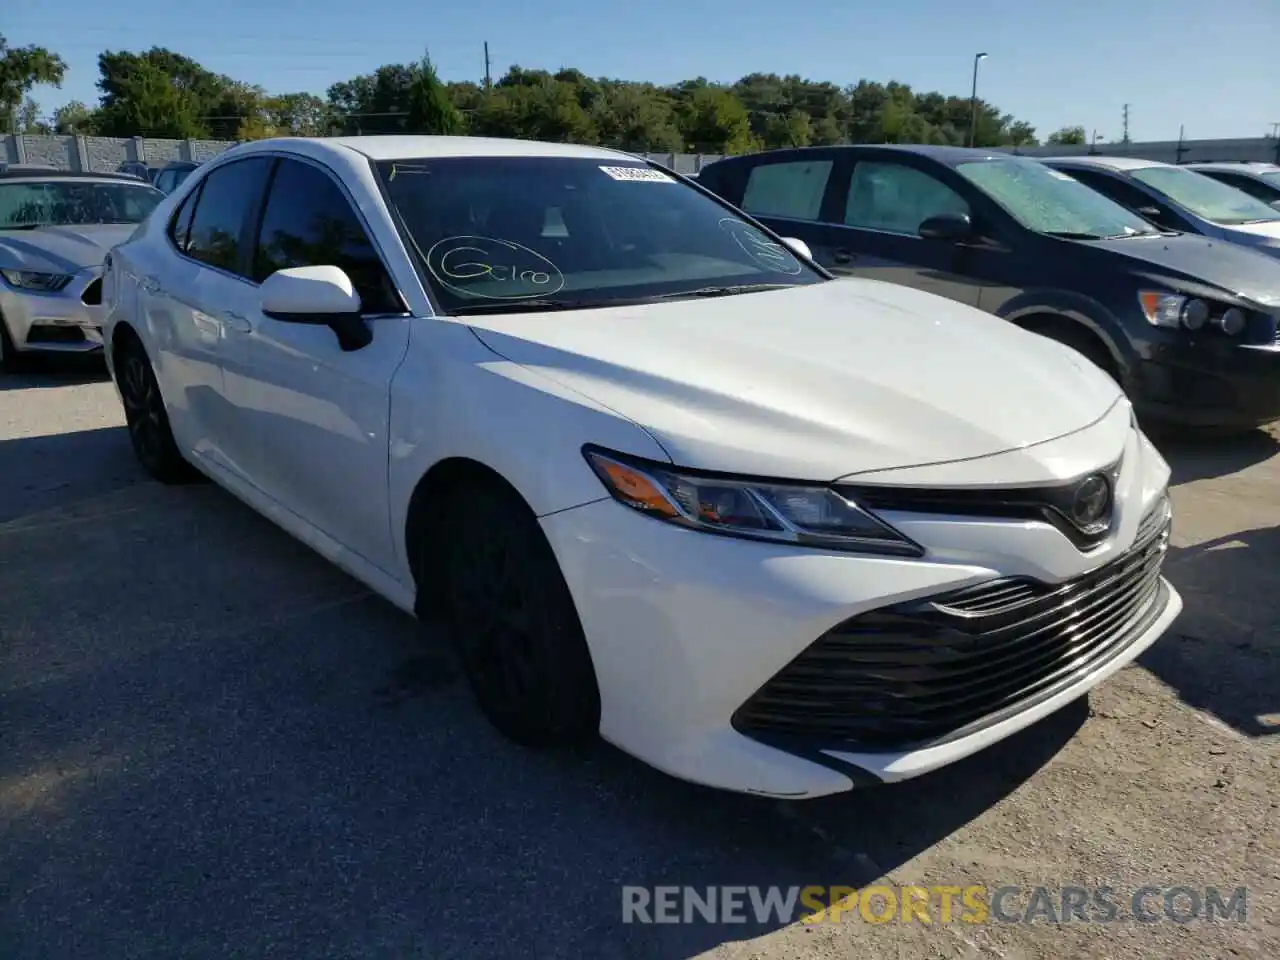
<point x="1078" y="319"/>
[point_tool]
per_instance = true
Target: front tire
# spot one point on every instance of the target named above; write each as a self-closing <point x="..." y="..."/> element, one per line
<point x="10" y="359"/>
<point x="147" y="418"/>
<point x="514" y="622"/>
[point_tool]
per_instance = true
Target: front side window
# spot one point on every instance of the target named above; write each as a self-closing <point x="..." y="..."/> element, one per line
<point x="1049" y="201"/>
<point x="227" y="195"/>
<point x="793" y="189"/>
<point x="561" y="232"/>
<point x="1204" y="196"/>
<point x="308" y="221"/>
<point x="48" y="203"/>
<point x="896" y="198"/>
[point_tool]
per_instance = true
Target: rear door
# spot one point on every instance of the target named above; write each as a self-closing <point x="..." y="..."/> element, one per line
<point x="881" y="199"/>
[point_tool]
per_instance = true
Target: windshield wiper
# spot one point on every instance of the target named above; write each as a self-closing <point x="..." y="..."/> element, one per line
<point x="725" y="291"/>
<point x="1071" y="235"/>
<point x="528" y="306"/>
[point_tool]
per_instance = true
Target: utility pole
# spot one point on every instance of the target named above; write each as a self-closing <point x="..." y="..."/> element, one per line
<point x="488" y="81"/>
<point x="973" y="101"/>
<point x="1125" y="138"/>
<point x="1181" y="149"/>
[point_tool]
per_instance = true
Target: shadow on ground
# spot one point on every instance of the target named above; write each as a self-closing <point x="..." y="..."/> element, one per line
<point x="1222" y="655"/>
<point x="224" y="746"/>
<point x="44" y="473"/>
<point x="1193" y="458"/>
<point x="47" y="373"/>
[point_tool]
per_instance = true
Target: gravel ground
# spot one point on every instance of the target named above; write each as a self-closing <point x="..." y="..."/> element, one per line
<point x="215" y="744"/>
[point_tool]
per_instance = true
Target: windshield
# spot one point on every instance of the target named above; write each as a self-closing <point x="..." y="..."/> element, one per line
<point x="568" y="232"/>
<point x="1205" y="196"/>
<point x="47" y="203"/>
<point x="1048" y="201"/>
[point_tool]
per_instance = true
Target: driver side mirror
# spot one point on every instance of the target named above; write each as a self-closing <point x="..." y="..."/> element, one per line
<point x="948" y="227"/>
<point x="321" y="295"/>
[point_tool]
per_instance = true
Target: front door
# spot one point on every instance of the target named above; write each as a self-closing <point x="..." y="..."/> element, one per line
<point x="881" y="204"/>
<point x="316" y="416"/>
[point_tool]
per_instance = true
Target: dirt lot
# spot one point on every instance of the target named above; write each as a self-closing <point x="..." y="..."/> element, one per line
<point x="215" y="745"/>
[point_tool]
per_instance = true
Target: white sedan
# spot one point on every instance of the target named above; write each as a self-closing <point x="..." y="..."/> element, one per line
<point x="668" y="480"/>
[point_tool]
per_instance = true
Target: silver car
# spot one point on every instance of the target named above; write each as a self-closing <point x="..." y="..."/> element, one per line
<point x="56" y="228"/>
<point x="1178" y="198"/>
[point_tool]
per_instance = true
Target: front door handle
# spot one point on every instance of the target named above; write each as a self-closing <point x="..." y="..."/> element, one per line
<point x="151" y="286"/>
<point x="236" y="321"/>
<point x="843" y="256"/>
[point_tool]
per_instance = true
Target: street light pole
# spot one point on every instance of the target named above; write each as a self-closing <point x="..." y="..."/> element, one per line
<point x="973" y="101"/>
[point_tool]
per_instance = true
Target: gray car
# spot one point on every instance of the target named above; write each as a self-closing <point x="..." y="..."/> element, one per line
<point x="55" y="231"/>
<point x="1261" y="180"/>
<point x="1177" y="198"/>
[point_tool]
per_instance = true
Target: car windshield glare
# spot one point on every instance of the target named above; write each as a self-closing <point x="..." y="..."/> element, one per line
<point x="1204" y="196"/>
<point x="48" y="203"/>
<point x="574" y="232"/>
<point x="1049" y="201"/>
<point x="1271" y="176"/>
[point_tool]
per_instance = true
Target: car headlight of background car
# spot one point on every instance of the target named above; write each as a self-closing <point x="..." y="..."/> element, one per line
<point x="38" y="282"/>
<point x="1174" y="310"/>
<point x="804" y="514"/>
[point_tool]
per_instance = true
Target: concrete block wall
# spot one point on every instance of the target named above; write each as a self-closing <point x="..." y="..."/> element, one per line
<point x="104" y="154"/>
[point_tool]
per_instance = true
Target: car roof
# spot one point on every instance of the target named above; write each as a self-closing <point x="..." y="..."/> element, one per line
<point x="416" y="147"/>
<point x="16" y="172"/>
<point x="1106" y="163"/>
<point x="951" y="156"/>
<point x="1236" y="166"/>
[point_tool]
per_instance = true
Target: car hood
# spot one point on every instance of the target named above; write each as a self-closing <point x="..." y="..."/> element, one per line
<point x="1236" y="269"/>
<point x="1268" y="230"/>
<point x="814" y="382"/>
<point x="61" y="249"/>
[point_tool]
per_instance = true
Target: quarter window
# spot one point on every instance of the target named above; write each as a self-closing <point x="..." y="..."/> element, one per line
<point x="227" y="196"/>
<point x="792" y="189"/>
<point x="180" y="225"/>
<point x="308" y="221"/>
<point x="897" y="198"/>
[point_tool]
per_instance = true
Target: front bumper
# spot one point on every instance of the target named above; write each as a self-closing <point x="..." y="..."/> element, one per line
<point x="685" y="628"/>
<point x="68" y="321"/>
<point x="1211" y="383"/>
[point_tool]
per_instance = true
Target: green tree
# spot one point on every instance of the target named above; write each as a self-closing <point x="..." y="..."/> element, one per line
<point x="713" y="120"/>
<point x="144" y="101"/>
<point x="1073" y="136"/>
<point x="21" y="68"/>
<point x="75" y="118"/>
<point x="298" y="115"/>
<point x="430" y="108"/>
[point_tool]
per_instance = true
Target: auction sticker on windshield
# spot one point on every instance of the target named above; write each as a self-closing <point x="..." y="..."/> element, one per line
<point x="640" y="174"/>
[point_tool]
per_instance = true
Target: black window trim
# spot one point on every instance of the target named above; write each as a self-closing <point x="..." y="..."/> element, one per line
<point x="261" y="210"/>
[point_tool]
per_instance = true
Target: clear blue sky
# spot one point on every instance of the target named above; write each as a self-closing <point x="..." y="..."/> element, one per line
<point x="1213" y="65"/>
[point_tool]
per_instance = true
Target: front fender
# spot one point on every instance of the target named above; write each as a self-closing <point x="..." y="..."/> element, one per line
<point x="454" y="397"/>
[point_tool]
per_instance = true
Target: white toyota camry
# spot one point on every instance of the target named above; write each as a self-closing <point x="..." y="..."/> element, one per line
<point x="669" y="481"/>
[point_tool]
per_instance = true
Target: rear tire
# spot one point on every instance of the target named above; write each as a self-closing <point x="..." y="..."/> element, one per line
<point x="514" y="622"/>
<point x="147" y="418"/>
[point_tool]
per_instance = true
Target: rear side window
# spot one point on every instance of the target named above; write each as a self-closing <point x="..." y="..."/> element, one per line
<point x="792" y="189"/>
<point x="227" y="196"/>
<point x="180" y="225"/>
<point x="308" y="221"/>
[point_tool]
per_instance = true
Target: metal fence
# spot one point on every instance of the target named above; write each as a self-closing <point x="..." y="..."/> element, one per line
<point x="104" y="154"/>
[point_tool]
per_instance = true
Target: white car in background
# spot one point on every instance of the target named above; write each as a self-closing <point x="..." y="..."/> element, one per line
<point x="55" y="229"/>
<point x="1178" y="198"/>
<point x="669" y="481"/>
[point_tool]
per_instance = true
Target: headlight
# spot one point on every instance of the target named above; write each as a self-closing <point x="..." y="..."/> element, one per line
<point x="809" y="515"/>
<point x="1173" y="310"/>
<point x="42" y="282"/>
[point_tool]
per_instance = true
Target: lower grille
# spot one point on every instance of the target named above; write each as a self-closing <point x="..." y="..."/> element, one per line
<point x="935" y="669"/>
